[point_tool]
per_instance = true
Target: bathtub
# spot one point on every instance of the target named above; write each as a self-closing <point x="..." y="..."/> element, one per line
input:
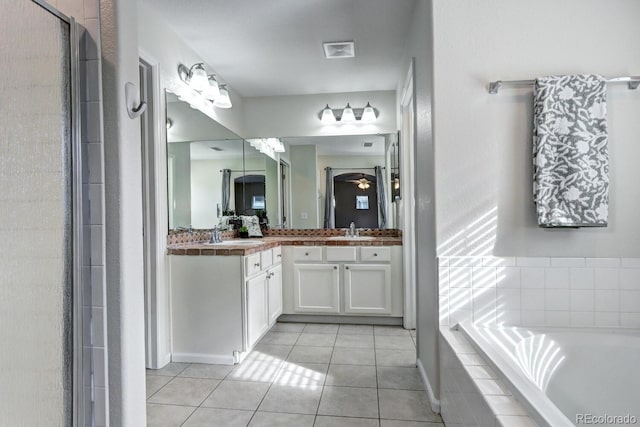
<point x="566" y="377"/>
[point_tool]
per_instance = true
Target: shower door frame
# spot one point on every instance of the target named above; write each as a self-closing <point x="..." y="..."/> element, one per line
<point x="75" y="414"/>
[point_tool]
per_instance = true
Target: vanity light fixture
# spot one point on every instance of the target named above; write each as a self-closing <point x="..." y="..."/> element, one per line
<point x="213" y="91"/>
<point x="204" y="86"/>
<point x="198" y="79"/>
<point x="368" y="115"/>
<point x="347" y="115"/>
<point x="268" y="146"/>
<point x="223" y="101"/>
<point x="329" y="116"/>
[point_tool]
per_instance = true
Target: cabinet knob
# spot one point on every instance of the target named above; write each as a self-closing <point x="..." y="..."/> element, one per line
<point x="279" y="255"/>
<point x="335" y="268"/>
<point x="257" y="264"/>
<point x="347" y="267"/>
<point x="375" y="254"/>
<point x="306" y="254"/>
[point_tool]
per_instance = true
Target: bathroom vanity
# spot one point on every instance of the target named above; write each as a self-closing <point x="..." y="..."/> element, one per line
<point x="225" y="297"/>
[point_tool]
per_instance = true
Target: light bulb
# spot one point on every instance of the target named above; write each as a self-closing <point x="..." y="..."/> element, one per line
<point x="198" y="79"/>
<point x="223" y="101"/>
<point x="368" y="115"/>
<point x="328" y="117"/>
<point x="213" y="91"/>
<point x="347" y="115"/>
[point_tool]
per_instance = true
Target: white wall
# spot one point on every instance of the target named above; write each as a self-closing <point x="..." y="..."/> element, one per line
<point x="483" y="141"/>
<point x="284" y="116"/>
<point x="420" y="48"/>
<point x="123" y="217"/>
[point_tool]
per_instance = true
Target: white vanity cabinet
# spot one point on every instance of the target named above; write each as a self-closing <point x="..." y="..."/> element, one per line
<point x="257" y="290"/>
<point x="367" y="289"/>
<point x="343" y="280"/>
<point x="222" y="305"/>
<point x="316" y="288"/>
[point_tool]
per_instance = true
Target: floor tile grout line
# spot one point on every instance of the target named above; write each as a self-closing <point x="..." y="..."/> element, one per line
<point x="272" y="381"/>
<point x="375" y="361"/>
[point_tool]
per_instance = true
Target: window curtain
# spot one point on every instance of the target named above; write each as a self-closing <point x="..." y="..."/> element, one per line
<point x="226" y="189"/>
<point x="328" y="200"/>
<point x="382" y="200"/>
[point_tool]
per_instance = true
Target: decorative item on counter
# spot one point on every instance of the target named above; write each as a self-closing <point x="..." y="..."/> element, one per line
<point x="263" y="219"/>
<point x="243" y="232"/>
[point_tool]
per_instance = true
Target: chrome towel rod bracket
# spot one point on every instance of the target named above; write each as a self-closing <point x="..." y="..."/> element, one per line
<point x="632" y="83"/>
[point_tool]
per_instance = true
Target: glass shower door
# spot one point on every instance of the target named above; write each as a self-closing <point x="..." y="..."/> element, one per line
<point x="36" y="216"/>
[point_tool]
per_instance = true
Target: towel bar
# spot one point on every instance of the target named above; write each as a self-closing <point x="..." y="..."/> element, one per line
<point x="632" y="82"/>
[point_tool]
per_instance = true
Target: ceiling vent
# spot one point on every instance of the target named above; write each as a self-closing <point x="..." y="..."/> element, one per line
<point x="338" y="50"/>
<point x="367" y="144"/>
<point x="216" y="148"/>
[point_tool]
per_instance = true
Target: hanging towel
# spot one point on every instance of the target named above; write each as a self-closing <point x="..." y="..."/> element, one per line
<point x="570" y="152"/>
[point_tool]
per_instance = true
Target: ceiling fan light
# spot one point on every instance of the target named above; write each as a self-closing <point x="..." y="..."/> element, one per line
<point x="347" y="115"/>
<point x="198" y="79"/>
<point x="213" y="91"/>
<point x="369" y="114"/>
<point x="223" y="101"/>
<point x="328" y="117"/>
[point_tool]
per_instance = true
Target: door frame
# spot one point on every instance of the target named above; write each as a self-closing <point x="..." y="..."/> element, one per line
<point x="155" y="219"/>
<point x="407" y="143"/>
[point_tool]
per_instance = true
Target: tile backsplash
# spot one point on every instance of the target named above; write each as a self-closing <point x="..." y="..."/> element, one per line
<point x="540" y="291"/>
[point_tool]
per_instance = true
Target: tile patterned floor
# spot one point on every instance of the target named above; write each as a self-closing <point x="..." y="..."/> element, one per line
<point x="300" y="375"/>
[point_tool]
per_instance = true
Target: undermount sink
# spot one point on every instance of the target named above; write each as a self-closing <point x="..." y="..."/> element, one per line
<point x="351" y="238"/>
<point x="236" y="242"/>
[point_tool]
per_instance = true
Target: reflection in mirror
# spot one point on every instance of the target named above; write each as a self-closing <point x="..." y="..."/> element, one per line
<point x="201" y="154"/>
<point x="394" y="172"/>
<point x="348" y="168"/>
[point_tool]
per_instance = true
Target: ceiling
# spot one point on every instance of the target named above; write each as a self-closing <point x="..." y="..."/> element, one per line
<point x="274" y="47"/>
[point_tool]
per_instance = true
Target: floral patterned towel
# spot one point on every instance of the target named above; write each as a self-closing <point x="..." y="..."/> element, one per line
<point x="253" y="225"/>
<point x="570" y="152"/>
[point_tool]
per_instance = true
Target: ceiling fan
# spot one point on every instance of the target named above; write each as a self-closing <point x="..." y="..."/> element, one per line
<point x="362" y="183"/>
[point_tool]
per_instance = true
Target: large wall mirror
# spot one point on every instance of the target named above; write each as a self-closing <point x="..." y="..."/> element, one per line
<point x="212" y="172"/>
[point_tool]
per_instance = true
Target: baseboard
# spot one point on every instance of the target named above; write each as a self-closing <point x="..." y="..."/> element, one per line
<point x="215" y="359"/>
<point x="353" y="320"/>
<point x="435" y="403"/>
<point x="166" y="360"/>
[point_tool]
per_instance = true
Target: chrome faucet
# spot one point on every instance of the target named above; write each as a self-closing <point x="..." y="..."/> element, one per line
<point x="216" y="235"/>
<point x="352" y="231"/>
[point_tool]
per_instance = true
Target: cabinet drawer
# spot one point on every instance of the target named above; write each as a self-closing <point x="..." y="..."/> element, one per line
<point x="266" y="259"/>
<point x="252" y="265"/>
<point x="277" y="254"/>
<point x="341" y="254"/>
<point x="375" y="253"/>
<point x="307" y="253"/>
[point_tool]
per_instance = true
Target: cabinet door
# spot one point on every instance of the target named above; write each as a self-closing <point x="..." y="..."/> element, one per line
<point x="367" y="289"/>
<point x="316" y="288"/>
<point x="257" y="315"/>
<point x="275" y="293"/>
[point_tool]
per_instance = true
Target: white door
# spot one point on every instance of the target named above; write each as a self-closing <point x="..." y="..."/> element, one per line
<point x="367" y="289"/>
<point x="257" y="315"/>
<point x="275" y="293"/>
<point x="316" y="288"/>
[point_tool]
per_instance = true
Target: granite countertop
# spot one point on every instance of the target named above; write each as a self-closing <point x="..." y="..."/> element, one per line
<point x="263" y="243"/>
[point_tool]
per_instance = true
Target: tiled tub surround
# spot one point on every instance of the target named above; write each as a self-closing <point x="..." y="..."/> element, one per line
<point x="537" y="376"/>
<point x="472" y="395"/>
<point x="602" y="292"/>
